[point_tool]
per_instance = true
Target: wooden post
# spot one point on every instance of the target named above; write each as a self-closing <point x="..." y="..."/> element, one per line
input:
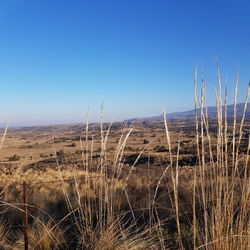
<point x="25" y="216"/>
<point x="155" y="176"/>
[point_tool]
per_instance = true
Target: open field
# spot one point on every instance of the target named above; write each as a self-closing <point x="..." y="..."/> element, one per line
<point x="121" y="186"/>
<point x="35" y="145"/>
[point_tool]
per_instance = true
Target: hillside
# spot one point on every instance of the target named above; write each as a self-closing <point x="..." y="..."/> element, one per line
<point x="212" y="113"/>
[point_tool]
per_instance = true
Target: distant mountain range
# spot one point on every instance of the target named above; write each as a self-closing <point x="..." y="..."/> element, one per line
<point x="212" y="113"/>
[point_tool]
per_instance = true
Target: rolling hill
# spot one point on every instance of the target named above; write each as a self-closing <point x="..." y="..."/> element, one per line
<point x="212" y="113"/>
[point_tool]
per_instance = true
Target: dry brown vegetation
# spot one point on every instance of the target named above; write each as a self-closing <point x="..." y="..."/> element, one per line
<point x="179" y="184"/>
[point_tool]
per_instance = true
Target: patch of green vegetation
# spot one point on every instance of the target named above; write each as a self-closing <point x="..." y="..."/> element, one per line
<point x="60" y="153"/>
<point x="159" y="148"/>
<point x="14" y="157"/>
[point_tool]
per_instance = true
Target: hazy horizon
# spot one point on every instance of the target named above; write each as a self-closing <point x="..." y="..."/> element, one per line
<point x="57" y="58"/>
<point x="8" y="122"/>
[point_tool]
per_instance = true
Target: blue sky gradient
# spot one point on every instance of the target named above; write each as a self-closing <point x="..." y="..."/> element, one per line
<point x="59" y="57"/>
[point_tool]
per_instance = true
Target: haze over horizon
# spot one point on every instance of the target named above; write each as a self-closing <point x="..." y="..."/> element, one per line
<point x="57" y="58"/>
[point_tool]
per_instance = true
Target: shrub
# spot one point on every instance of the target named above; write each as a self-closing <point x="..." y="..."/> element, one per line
<point x="159" y="148"/>
<point x="14" y="157"/>
<point x="60" y="153"/>
<point x="78" y="152"/>
<point x="128" y="148"/>
<point x="132" y="158"/>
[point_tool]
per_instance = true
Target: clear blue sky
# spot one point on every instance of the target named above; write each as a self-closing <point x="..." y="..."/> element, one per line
<point x="58" y="57"/>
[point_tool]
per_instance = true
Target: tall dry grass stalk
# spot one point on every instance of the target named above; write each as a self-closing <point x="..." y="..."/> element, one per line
<point x="98" y="218"/>
<point x="220" y="217"/>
